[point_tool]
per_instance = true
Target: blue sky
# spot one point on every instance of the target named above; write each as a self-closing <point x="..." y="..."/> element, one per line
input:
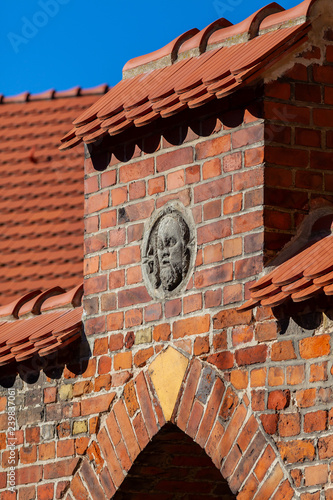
<point x="63" y="43"/>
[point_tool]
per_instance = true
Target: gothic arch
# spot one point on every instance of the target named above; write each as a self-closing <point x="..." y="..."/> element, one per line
<point x="191" y="395"/>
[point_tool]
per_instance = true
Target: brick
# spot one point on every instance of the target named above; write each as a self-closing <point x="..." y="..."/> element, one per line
<point x="192" y="174"/>
<point x="247" y="136"/>
<point x="222" y="360"/>
<point x="282" y="351"/>
<point x="231" y="462"/>
<point x="107" y="483"/>
<point x="134" y="275"/>
<point x="264" y="463"/>
<point x="213" y="147"/>
<point x="239" y="379"/>
<point x="284" y="491"/>
<point x="213" y="189"/>
<point x="140" y="431"/>
<point x="251" y="355"/>
<point x="103" y="382"/>
<point x="317" y="474"/>
<point x="65" y="448"/>
<point x="249" y="489"/>
<point x="325" y="447"/>
<point x="118" y="196"/>
<point x="137" y="170"/>
<point x="108" y="301"/>
<point x="146" y="406"/>
<point x="322" y="117"/>
<point x="276" y="376"/>
<point x="213" y="441"/>
<point x="269" y="422"/>
<point x="315" y="421"/>
<point x="232" y="430"/>
<point x="108" y="260"/>
<point x="45" y="491"/>
<point x="115" y="321"/>
<point x="247" y="433"/>
<point x="93" y="484"/>
<point x="211" y="168"/>
<point x="188" y="394"/>
<point x="305" y="398"/>
<point x="278" y="90"/>
<point x="133" y="296"/>
<point x="91" y="224"/>
<point x="232" y="204"/>
<point x="156" y="185"/>
<point x="296" y="451"/>
<point x="60" y="468"/>
<point x="176" y="180"/>
<point x="278" y="400"/>
<point x="210" y="413"/>
<point x="318" y="372"/>
<point x="295" y="374"/>
<point x="142" y="356"/>
<point x="214" y="231"/>
<point x="194" y="419"/>
<point x="314" y="347"/>
<point x="213" y="298"/>
<point x="116" y="342"/>
<point x="307" y="137"/>
<point x="258" y="377"/>
<point x="166" y="161"/>
<point x="95" y="243"/>
<point x="172" y="308"/>
<point x="96" y="404"/>
<point x="161" y="332"/>
<point x="213" y="276"/>
<point x="289" y="424"/>
<point x="28" y="454"/>
<point x="248" y="460"/>
<point x="97" y="202"/>
<point x="191" y="326"/>
<point x="212" y="209"/>
<point x="46" y="451"/>
<point x="242" y="334"/>
<point x="104" y="365"/>
<point x="249" y="179"/>
<point x="231" y="317"/>
<point x="267" y="489"/>
<point x="133" y="317"/>
<point x="50" y="395"/>
<point x="247" y="222"/>
<point x="122" y="361"/>
<point x="114" y="466"/>
<point x="95" y="284"/>
<point x="246" y="268"/>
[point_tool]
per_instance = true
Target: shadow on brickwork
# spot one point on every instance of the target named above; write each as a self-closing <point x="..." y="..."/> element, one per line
<point x="304" y="317"/>
<point x="173" y="467"/>
<point x="74" y="357"/>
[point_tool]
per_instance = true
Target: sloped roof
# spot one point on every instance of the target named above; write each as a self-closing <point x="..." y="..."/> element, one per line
<point x="40" y="324"/>
<point x="299" y="278"/>
<point x="192" y="70"/>
<point x="41" y="192"/>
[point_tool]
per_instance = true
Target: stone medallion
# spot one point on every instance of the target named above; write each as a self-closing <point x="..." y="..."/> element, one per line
<point x="168" y="250"/>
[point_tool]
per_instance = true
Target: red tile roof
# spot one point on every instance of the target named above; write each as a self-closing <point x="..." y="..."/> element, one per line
<point x="192" y="70"/>
<point x="41" y="192"/>
<point x="25" y="332"/>
<point x="301" y="277"/>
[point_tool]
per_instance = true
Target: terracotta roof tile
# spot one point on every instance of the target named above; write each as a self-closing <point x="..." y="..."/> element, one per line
<point x="301" y="277"/>
<point x="59" y="324"/>
<point x="41" y="193"/>
<point x="194" y="69"/>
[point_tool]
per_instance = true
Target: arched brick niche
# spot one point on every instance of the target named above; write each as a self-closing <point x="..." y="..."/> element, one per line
<point x="172" y="467"/>
<point x="207" y="409"/>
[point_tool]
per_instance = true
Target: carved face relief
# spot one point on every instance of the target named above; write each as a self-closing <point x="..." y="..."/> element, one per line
<point x="168" y="251"/>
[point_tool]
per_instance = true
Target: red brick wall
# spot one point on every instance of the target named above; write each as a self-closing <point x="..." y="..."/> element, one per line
<point x="299" y="144"/>
<point x="257" y="395"/>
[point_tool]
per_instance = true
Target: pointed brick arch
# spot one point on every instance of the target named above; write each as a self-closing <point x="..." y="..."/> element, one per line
<point x="210" y="412"/>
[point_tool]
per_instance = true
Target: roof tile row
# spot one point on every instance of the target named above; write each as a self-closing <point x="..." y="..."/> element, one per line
<point x="196" y="68"/>
<point x="39" y="323"/>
